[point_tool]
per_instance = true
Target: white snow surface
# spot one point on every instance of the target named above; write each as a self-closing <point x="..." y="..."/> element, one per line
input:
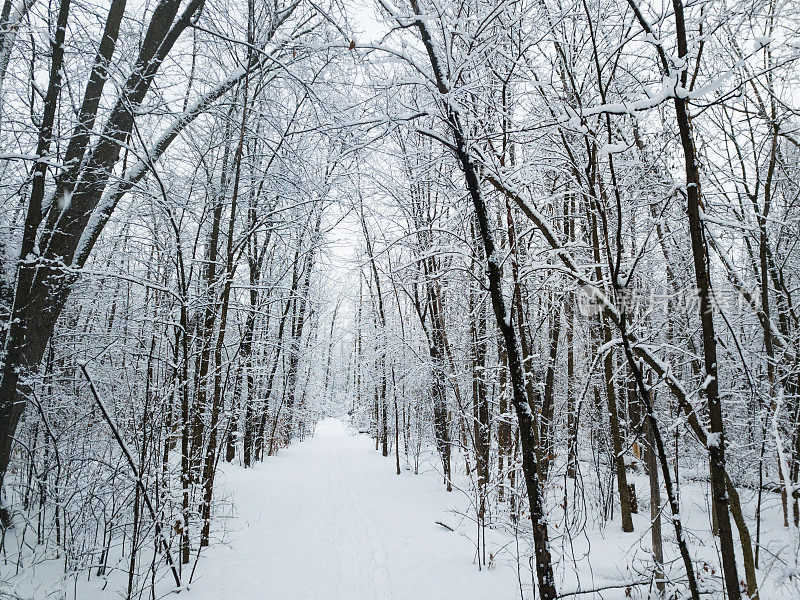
<point x="328" y="518"/>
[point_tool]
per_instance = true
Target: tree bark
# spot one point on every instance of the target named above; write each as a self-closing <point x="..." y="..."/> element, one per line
<point x="526" y="418"/>
<point x="15" y="357"/>
<point x="716" y="445"/>
<point x="548" y="398"/>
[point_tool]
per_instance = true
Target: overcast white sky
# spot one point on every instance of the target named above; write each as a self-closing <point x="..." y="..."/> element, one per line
<point x="365" y="20"/>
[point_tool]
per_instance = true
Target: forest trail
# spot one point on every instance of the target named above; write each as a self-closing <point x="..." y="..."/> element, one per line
<point x="328" y="519"/>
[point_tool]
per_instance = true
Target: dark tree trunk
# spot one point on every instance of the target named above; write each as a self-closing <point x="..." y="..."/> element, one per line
<point x="300" y="304"/>
<point x="19" y="353"/>
<point x="526" y="418"/>
<point x="480" y="400"/>
<point x="381" y="402"/>
<point x="716" y="445"/>
<point x="547" y="426"/>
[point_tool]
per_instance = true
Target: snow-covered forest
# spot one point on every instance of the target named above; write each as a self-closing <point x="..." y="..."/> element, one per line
<point x="408" y="299"/>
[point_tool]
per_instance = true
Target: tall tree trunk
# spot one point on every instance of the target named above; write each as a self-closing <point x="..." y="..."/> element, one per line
<point x="235" y="417"/>
<point x="209" y="465"/>
<point x="380" y="398"/>
<point x="526" y="418"/>
<point x="503" y="423"/>
<point x="14" y="357"/>
<point x="655" y="506"/>
<point x="716" y="443"/>
<point x="547" y="426"/>
<point x="569" y="315"/>
<point x="480" y="402"/>
<point x="611" y="393"/>
<point x="206" y="322"/>
<point x="300" y="304"/>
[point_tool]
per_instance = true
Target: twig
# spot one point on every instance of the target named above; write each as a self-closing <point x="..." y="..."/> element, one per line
<point x="443" y="525"/>
<point x="605" y="587"/>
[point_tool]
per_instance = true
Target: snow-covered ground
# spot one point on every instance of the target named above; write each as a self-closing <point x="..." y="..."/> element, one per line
<point x="329" y="519"/>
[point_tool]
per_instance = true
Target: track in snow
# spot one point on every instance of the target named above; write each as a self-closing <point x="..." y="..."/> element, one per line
<point x="328" y="519"/>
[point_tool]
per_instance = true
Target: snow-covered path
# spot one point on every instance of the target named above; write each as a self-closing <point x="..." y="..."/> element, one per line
<point x="329" y="519"/>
